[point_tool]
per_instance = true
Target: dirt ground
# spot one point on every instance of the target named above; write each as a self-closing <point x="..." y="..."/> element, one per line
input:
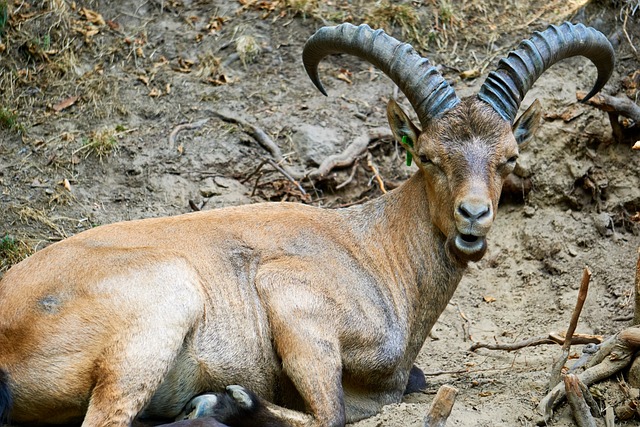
<point x="92" y="92"/>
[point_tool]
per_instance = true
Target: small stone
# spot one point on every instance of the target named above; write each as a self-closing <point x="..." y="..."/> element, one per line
<point x="529" y="211"/>
<point x="209" y="188"/>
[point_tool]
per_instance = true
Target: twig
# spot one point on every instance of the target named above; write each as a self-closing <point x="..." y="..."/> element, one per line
<point x="441" y="407"/>
<point x="256" y="133"/>
<point x="609" y="103"/>
<point x="267" y="143"/>
<point x="556" y="371"/>
<point x="351" y="176"/>
<point x="350" y="154"/>
<point x="376" y="174"/>
<point x="278" y="168"/>
<point x="579" y="407"/>
<point x="636" y="315"/>
<point x="184" y="126"/>
<point x="609" y="417"/>
<point x="286" y="174"/>
<point x="552" y="338"/>
<point x="626" y="34"/>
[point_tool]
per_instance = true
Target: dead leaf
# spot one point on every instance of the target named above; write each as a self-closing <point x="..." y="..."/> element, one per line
<point x="92" y="16"/>
<point x="489" y="299"/>
<point x="344" y="75"/>
<point x="144" y="79"/>
<point x="222" y="79"/>
<point x="470" y="74"/>
<point x="65" y="183"/>
<point x="155" y="92"/>
<point x="65" y="104"/>
<point x="113" y="25"/>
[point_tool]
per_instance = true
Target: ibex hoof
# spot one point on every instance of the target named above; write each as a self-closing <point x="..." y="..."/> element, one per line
<point x="199" y="407"/>
<point x="242" y="397"/>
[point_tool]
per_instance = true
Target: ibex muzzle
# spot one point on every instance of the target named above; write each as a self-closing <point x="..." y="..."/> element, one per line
<point x="289" y="314"/>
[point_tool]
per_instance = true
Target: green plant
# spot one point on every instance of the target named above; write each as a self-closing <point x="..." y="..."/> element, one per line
<point x="12" y="251"/>
<point x="4" y="15"/>
<point x="9" y="120"/>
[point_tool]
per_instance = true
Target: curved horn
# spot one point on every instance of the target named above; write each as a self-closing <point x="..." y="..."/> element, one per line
<point x="425" y="88"/>
<point x="505" y="88"/>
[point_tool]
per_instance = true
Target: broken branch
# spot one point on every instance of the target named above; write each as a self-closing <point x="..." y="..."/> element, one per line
<point x="636" y="315"/>
<point x="579" y="407"/>
<point x="350" y="154"/>
<point x="552" y="338"/>
<point x="623" y="106"/>
<point x="185" y="126"/>
<point x="441" y="407"/>
<point x="556" y="371"/>
<point x="614" y="355"/>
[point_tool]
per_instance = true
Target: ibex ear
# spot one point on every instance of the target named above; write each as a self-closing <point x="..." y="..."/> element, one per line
<point x="403" y="129"/>
<point x="527" y="124"/>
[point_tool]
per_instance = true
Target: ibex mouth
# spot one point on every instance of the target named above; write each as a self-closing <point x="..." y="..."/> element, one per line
<point x="469" y="246"/>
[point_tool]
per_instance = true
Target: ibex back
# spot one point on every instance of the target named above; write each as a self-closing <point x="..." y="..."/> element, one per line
<point x="289" y="314"/>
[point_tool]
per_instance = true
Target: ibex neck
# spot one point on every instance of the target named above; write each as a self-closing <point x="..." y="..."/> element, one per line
<point x="400" y="237"/>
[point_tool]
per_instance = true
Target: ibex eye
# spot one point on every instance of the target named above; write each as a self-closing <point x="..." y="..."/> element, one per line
<point x="424" y="159"/>
<point x="512" y="159"/>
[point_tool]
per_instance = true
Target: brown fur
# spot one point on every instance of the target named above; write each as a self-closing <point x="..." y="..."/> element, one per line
<point x="319" y="311"/>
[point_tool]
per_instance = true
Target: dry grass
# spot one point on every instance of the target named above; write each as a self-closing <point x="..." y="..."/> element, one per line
<point x="100" y="143"/>
<point x="12" y="251"/>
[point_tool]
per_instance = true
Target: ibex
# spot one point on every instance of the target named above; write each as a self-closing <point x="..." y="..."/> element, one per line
<point x="291" y="315"/>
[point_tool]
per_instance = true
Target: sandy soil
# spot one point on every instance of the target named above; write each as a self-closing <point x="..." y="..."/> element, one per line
<point x="153" y="65"/>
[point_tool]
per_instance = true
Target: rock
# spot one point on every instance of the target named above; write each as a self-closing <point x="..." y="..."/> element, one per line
<point x="209" y="188"/>
<point x="315" y="143"/>
<point x="604" y="224"/>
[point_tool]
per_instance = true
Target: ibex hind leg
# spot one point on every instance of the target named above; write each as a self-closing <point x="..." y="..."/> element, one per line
<point x="130" y="371"/>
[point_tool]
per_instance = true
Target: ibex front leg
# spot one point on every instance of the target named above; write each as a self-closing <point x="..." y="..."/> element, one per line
<point x="304" y="334"/>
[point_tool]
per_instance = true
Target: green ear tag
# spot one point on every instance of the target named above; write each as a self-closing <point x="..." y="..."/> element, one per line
<point x="406" y="141"/>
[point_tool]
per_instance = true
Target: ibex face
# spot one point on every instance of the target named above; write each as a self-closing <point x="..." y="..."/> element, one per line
<point x="464" y="157"/>
<point x="466" y="147"/>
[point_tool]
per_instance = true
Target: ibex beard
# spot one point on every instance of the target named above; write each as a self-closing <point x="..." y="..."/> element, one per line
<point x="288" y="315"/>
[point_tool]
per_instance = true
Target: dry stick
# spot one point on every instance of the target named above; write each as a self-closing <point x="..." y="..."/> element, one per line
<point x="354" y="168"/>
<point x="613" y="104"/>
<point x="256" y="133"/>
<point x="579" y="407"/>
<point x="636" y="315"/>
<point x="286" y="174"/>
<point x="614" y="355"/>
<point x="376" y="174"/>
<point x="350" y="154"/>
<point x="552" y="338"/>
<point x="609" y="417"/>
<point x="441" y="407"/>
<point x="185" y="126"/>
<point x="556" y="371"/>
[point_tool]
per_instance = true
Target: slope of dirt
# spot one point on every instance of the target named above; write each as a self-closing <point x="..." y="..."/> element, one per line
<point x="93" y="105"/>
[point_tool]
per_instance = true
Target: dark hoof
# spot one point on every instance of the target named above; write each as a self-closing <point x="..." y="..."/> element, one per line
<point x="199" y="407"/>
<point x="417" y="381"/>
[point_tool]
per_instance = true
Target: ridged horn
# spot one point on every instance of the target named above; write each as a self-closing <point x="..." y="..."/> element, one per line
<point x="505" y="88"/>
<point x="425" y="88"/>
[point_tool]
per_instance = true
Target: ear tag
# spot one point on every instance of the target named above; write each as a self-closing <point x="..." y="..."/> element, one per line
<point x="407" y="141"/>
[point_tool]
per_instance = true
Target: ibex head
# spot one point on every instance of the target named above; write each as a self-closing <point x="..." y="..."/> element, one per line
<point x="466" y="147"/>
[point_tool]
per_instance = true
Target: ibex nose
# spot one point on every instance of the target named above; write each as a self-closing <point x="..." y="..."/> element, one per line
<point x="474" y="211"/>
